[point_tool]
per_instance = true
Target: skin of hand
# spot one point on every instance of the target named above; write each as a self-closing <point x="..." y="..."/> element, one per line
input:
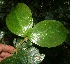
<point x="5" y="51"/>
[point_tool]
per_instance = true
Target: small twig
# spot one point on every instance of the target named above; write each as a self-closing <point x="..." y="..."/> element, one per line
<point x="25" y="40"/>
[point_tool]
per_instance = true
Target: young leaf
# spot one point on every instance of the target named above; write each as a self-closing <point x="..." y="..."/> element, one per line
<point x="34" y="57"/>
<point x="19" y="58"/>
<point x="48" y="33"/>
<point x="19" y="20"/>
<point x="28" y="56"/>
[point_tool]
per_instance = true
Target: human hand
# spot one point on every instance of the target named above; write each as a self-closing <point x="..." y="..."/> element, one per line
<point x="5" y="51"/>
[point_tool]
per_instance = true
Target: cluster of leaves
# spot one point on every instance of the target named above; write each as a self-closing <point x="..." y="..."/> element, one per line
<point x="26" y="54"/>
<point x="56" y="12"/>
<point x="51" y="33"/>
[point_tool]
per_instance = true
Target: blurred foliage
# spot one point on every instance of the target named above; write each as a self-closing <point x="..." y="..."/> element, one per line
<point x="43" y="9"/>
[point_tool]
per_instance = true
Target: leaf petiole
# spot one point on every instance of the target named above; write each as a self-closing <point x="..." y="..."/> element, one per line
<point x="24" y="40"/>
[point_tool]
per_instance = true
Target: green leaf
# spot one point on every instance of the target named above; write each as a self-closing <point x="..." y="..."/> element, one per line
<point x="28" y="56"/>
<point x="17" y="42"/>
<point x="19" y="58"/>
<point x="48" y="33"/>
<point x="19" y="20"/>
<point x="34" y="57"/>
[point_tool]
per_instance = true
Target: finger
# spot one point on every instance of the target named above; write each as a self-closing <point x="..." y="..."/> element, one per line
<point x="7" y="48"/>
<point x="5" y="54"/>
<point x="1" y="59"/>
<point x="1" y="46"/>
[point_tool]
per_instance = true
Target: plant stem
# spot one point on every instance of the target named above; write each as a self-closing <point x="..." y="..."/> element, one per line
<point x="25" y="40"/>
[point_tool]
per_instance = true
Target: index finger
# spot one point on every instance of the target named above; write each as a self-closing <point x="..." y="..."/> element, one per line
<point x="6" y="48"/>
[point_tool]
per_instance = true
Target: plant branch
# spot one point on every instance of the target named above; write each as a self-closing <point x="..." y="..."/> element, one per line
<point x="25" y="40"/>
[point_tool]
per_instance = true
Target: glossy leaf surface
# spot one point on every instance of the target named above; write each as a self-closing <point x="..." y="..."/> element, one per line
<point x="48" y="33"/>
<point x="34" y="57"/>
<point x="25" y="45"/>
<point x="19" y="20"/>
<point x="19" y="58"/>
<point x="28" y="56"/>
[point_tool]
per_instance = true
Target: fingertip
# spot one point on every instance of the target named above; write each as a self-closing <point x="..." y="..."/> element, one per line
<point x="8" y="48"/>
<point x="1" y="59"/>
<point x="5" y="54"/>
